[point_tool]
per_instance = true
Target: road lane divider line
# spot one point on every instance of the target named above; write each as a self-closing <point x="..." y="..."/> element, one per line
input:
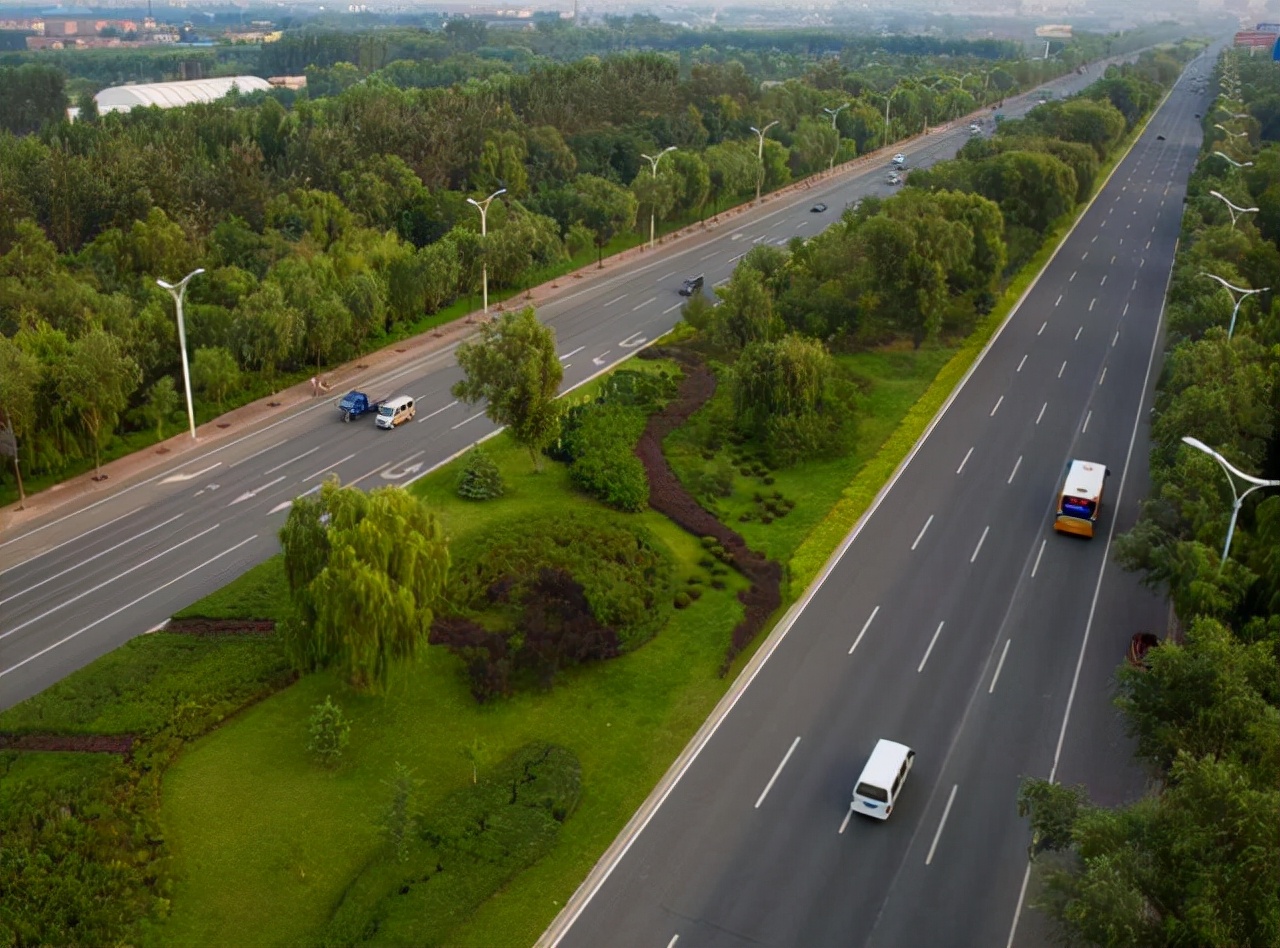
<point x="113" y="579"/>
<point x="363" y="477"/>
<point x="616" y="299"/>
<point x="999" y="665"/>
<point x="933" y="641"/>
<point x="1063" y="369"/>
<point x="250" y="494"/>
<point x="1103" y="282"/>
<point x="1072" y="278"/>
<point x="79" y="536"/>
<point x="258" y="453"/>
<point x="1022" y="363"/>
<point x="667" y="276"/>
<point x="570" y="355"/>
<point x="466" y="421"/>
<point x="1085" y="426"/>
<point x="1115" y="339"/>
<point x="110" y="549"/>
<point x="844" y="824"/>
<point x="920" y="535"/>
<point x="786" y="757"/>
<point x="1041" y="415"/>
<point x="945" y="813"/>
<point x="290" y="461"/>
<point x="1042" y="327"/>
<point x="999" y="402"/>
<point x="1038" y="555"/>
<point x="1103" y="377"/>
<point x="180" y="478"/>
<point x="965" y="461"/>
<point x="672" y="942"/>
<point x="637" y="307"/>
<point x="866" y="625"/>
<point x="981" y="540"/>
<point x="671" y="309"/>
<point x="710" y="255"/>
<point x="325" y="470"/>
<point x="455" y="401"/>
<point x="1014" y="472"/>
<point x="128" y="605"/>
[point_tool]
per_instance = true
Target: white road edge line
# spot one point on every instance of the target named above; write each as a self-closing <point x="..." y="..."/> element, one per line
<point x="866" y="625"/>
<point x="769" y="786"/>
<point x="945" y="813"/>
<point x="932" y="642"/>
<point x="920" y="535"/>
<point x="111" y="615"/>
<point x="981" y="540"/>
<point x="999" y="665"/>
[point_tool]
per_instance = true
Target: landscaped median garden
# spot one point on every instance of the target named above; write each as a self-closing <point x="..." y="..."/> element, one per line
<point x="425" y="721"/>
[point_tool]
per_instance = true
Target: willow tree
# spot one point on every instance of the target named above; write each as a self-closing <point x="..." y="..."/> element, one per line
<point x="365" y="572"/>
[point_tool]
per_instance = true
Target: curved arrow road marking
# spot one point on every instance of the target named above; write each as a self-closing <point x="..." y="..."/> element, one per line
<point x="633" y="340"/>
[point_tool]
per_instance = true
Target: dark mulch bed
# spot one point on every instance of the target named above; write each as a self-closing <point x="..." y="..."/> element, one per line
<point x="670" y="498"/>
<point x="89" y="743"/>
<point x="222" y="626"/>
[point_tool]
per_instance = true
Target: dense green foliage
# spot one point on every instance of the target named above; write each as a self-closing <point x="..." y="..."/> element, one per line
<point x="480" y="478"/>
<point x="460" y="852"/>
<point x="1195" y="862"/>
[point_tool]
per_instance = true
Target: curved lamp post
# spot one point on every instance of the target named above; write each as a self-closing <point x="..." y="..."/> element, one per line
<point x="178" y="291"/>
<point x="483" y="208"/>
<point x="1231" y="133"/>
<point x="1232" y="161"/>
<point x="1232" y="473"/>
<point x="1233" y="290"/>
<point x="833" y="113"/>
<point x="888" y="99"/>
<point x="760" y="133"/>
<point x="653" y="166"/>
<point x="1235" y="209"/>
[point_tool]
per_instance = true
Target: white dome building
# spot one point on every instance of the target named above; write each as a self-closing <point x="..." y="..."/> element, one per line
<point x="169" y="95"/>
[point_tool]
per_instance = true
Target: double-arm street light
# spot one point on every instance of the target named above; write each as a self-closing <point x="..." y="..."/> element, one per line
<point x="483" y="208"/>
<point x="653" y="166"/>
<point x="760" y="133"/>
<point x="1231" y="133"/>
<point x="1232" y="473"/>
<point x="1234" y="115"/>
<point x="1235" y="209"/>
<point x="888" y="99"/>
<point x="833" y="113"/>
<point x="178" y="291"/>
<point x="1232" y="161"/>
<point x="1237" y="300"/>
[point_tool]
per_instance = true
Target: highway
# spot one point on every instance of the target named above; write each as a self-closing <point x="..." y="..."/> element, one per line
<point x="956" y="621"/>
<point x="83" y="581"/>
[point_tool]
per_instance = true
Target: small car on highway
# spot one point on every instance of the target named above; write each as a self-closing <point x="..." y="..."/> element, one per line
<point x="818" y="208"/>
<point x="893" y="178"/>
<point x="899" y="159"/>
<point x="691" y="286"/>
<point x="395" y="411"/>
<point x="881" y="780"/>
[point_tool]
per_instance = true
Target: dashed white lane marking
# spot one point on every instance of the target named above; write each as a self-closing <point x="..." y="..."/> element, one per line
<point x="445" y="408"/>
<point x="1085" y="427"/>
<point x="1115" y="338"/>
<point x="1022" y="363"/>
<point x="616" y="299"/>
<point x="965" y="461"/>
<point x="640" y="306"/>
<point x="999" y="665"/>
<point x="920" y="536"/>
<point x="1059" y="300"/>
<point x="1038" y="555"/>
<point x="866" y="625"/>
<point x="1041" y="415"/>
<point x="570" y="355"/>
<point x="996" y="407"/>
<point x="769" y="786"/>
<point x="304" y="454"/>
<point x="1063" y="369"/>
<point x="933" y="641"/>
<point x="938" y="835"/>
<point x="672" y="309"/>
<point x="1103" y="377"/>
<point x="982" y="539"/>
<point x="1042" y="325"/>
<point x="1081" y="329"/>
<point x="466" y="421"/>
<point x="1071" y="279"/>
<point x="1014" y="472"/>
<point x="330" y="467"/>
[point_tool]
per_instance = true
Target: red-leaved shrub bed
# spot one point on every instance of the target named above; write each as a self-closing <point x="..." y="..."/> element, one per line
<point x="221" y="626"/>
<point x="88" y="743"/>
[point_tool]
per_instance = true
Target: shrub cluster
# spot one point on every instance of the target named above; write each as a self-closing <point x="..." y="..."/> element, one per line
<point x="480" y="478"/>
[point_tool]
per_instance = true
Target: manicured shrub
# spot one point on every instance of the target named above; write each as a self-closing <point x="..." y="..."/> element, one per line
<point x="694" y="592"/>
<point x="329" y="731"/>
<point x="682" y="600"/>
<point x="603" y="464"/>
<point x="768" y="479"/>
<point x="480" y="478"/>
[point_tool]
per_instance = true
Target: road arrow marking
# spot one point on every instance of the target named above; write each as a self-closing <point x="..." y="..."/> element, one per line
<point x="600" y="359"/>
<point x="569" y="355"/>
<point x="633" y="340"/>
<point x="250" y="494"/>
<point x="178" y="478"/>
<point x="394" y="474"/>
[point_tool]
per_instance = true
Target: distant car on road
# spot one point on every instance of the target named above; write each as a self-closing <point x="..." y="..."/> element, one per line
<point x="975" y="129"/>
<point x="818" y="208"/>
<point x="894" y="178"/>
<point x="691" y="286"/>
<point x="899" y="159"/>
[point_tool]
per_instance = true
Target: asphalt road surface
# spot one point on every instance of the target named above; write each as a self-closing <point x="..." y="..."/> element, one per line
<point x="957" y="622"/>
<point x="84" y="581"/>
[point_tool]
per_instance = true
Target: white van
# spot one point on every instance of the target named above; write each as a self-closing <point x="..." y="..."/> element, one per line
<point x="395" y="411"/>
<point x="877" y="789"/>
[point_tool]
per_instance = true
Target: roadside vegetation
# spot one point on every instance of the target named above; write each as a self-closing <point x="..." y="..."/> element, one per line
<point x="1194" y="861"/>
<point x="303" y="785"/>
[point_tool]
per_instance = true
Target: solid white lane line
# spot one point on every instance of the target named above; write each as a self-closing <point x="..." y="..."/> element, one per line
<point x="74" y="539"/>
<point x="1038" y="555"/>
<point x="77" y="566"/>
<point x="933" y="641"/>
<point x="996" y="407"/>
<point x="466" y="420"/>
<point x="638" y="306"/>
<point x="920" y="536"/>
<point x="1013" y="473"/>
<point x="272" y="470"/>
<point x="1042" y="325"/>
<point x="999" y="665"/>
<point x="102" y="585"/>
<point x="938" y="835"/>
<point x="112" y="615"/>
<point x="329" y="468"/>
<point x="769" y="786"/>
<point x="672" y="309"/>
<point x="1115" y="338"/>
<point x="570" y="355"/>
<point x="866" y="625"/>
<point x="616" y="299"/>
<point x="1085" y="427"/>
<point x="965" y="461"/>
<point x="1063" y="369"/>
<point x="448" y="406"/>
<point x="365" y="477"/>
<point x="982" y="538"/>
<point x="1103" y="377"/>
<point x="1022" y="363"/>
<point x="845" y="822"/>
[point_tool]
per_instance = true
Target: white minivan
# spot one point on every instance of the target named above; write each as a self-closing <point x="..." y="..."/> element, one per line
<point x="395" y="411"/>
<point x="881" y="781"/>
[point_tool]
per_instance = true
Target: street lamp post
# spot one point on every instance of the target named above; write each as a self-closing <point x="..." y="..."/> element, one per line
<point x="1234" y="115"/>
<point x="1232" y="473"/>
<point x="1232" y="161"/>
<point x="483" y="207"/>
<point x="760" y="133"/>
<point x="1233" y="290"/>
<point x="653" y="165"/>
<point x="1235" y="209"/>
<point x="178" y="291"/>
<point x="1231" y="133"/>
<point x="887" y="99"/>
<point x="833" y="113"/>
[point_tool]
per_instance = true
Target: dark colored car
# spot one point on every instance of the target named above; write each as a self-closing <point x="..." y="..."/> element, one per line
<point x="1159" y="138"/>
<point x="691" y="286"/>
<point x="818" y="208"/>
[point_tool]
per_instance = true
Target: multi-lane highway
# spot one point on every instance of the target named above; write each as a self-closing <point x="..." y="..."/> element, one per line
<point x="955" y="621"/>
<point x="82" y="581"/>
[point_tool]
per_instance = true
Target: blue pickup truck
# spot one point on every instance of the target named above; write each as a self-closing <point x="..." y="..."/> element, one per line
<point x="357" y="403"/>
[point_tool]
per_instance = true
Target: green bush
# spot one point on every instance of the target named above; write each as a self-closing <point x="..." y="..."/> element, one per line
<point x="329" y="732"/>
<point x="470" y="845"/>
<point x="603" y="464"/>
<point x="480" y="478"/>
<point x="683" y="600"/>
